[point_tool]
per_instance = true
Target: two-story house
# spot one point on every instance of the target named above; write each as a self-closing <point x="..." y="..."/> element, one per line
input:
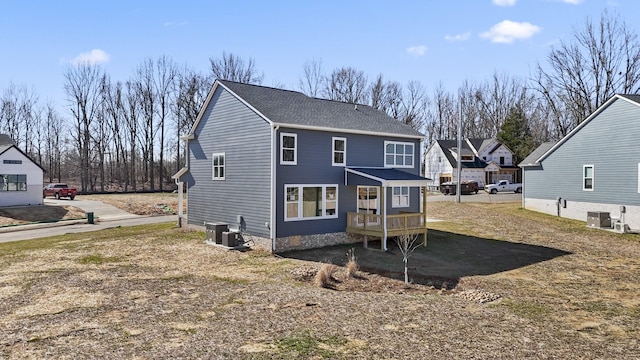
<point x="292" y="171"/>
<point x="486" y="161"/>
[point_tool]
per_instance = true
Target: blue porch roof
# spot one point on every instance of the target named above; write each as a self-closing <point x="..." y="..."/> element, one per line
<point x="382" y="177"/>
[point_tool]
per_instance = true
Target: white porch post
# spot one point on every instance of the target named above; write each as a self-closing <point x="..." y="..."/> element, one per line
<point x="180" y="203"/>
<point x="383" y="205"/>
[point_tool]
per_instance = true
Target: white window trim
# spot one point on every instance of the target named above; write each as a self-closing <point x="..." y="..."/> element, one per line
<point x="593" y="177"/>
<point x="399" y="203"/>
<point x="394" y="159"/>
<point x="223" y="166"/>
<point x="300" y="205"/>
<point x="295" y="149"/>
<point x="333" y="151"/>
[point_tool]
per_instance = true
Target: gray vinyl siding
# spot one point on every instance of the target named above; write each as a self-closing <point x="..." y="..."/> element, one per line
<point x="610" y="143"/>
<point x="314" y="166"/>
<point x="228" y="126"/>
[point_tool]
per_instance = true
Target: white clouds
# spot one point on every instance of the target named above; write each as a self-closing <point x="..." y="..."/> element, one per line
<point x="418" y="50"/>
<point x="573" y="2"/>
<point x="506" y="2"/>
<point x="458" y="37"/>
<point x="95" y="56"/>
<point x="508" y="31"/>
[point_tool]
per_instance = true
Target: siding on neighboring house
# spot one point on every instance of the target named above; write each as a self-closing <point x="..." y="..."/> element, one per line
<point x="314" y="167"/>
<point x="228" y="126"/>
<point x="33" y="195"/>
<point x="609" y="142"/>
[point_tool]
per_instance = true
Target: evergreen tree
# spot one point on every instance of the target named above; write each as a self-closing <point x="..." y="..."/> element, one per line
<point x="516" y="134"/>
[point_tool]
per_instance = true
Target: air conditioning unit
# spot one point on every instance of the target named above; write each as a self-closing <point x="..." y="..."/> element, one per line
<point x="619" y="227"/>
<point x="598" y="219"/>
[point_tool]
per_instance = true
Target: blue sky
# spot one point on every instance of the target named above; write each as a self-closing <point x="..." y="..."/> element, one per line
<point x="429" y="41"/>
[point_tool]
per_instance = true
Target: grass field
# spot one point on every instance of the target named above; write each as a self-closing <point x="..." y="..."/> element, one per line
<point x="513" y="284"/>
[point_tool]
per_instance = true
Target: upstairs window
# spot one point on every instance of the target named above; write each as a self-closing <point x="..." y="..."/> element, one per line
<point x="15" y="162"/>
<point x="501" y="160"/>
<point x="218" y="166"/>
<point x="339" y="146"/>
<point x="466" y="158"/>
<point x="587" y="178"/>
<point x="398" y="154"/>
<point x="288" y="149"/>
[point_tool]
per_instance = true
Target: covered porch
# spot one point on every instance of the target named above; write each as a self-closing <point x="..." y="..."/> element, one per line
<point x="372" y="217"/>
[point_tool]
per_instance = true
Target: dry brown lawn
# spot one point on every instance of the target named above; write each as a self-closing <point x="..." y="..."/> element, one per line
<point x="141" y="204"/>
<point x="159" y="292"/>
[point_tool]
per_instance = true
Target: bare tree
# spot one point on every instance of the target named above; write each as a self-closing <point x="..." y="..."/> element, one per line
<point x="386" y="96"/>
<point x="312" y="79"/>
<point x="83" y="88"/>
<point x="407" y="243"/>
<point x="414" y="105"/>
<point x="600" y="60"/>
<point x="347" y="85"/>
<point x="233" y="68"/>
<point x="164" y="77"/>
<point x="190" y="93"/>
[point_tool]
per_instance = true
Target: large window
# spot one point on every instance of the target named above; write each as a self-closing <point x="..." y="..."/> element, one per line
<point x="398" y="154"/>
<point x="307" y="202"/>
<point x="288" y="149"/>
<point x="587" y="178"/>
<point x="339" y="147"/>
<point x="400" y="197"/>
<point x="218" y="167"/>
<point x="13" y="182"/>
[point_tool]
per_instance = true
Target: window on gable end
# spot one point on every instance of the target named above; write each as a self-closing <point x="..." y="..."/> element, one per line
<point x="218" y="166"/>
<point x="587" y="178"/>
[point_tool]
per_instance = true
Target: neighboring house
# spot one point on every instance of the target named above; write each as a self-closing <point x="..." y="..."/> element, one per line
<point x="486" y="161"/>
<point x="21" y="179"/>
<point x="293" y="171"/>
<point x="596" y="167"/>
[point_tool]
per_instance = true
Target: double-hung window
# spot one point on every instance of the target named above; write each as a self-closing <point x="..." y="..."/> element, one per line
<point x="218" y="162"/>
<point x="339" y="147"/>
<point x="288" y="149"/>
<point x="398" y="154"/>
<point x="308" y="202"/>
<point x="587" y="177"/>
<point x="400" y="197"/>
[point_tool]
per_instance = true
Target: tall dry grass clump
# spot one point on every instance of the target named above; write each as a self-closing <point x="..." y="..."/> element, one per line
<point x="324" y="276"/>
<point x="352" y="263"/>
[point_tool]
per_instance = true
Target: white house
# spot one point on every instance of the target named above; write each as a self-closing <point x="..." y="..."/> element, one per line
<point x="483" y="160"/>
<point x="21" y="179"/>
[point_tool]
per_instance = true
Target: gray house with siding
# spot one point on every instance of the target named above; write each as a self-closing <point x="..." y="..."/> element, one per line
<point x="291" y="171"/>
<point x="595" y="167"/>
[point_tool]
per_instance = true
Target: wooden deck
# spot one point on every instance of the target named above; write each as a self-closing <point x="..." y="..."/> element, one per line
<point x="399" y="224"/>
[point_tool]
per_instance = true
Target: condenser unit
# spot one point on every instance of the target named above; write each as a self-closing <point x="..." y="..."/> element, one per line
<point x="598" y="219"/>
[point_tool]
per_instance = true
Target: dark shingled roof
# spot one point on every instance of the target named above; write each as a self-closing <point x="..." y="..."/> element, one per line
<point x="632" y="97"/>
<point x="295" y="108"/>
<point x="5" y="142"/>
<point x="447" y="145"/>
<point x="531" y="160"/>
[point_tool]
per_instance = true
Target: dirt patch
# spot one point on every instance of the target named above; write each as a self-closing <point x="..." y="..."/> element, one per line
<point x="42" y="213"/>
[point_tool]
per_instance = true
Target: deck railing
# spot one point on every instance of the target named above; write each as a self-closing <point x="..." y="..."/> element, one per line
<point x="397" y="224"/>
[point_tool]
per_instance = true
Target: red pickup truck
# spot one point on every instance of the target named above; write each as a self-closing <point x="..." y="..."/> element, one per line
<point x="59" y="190"/>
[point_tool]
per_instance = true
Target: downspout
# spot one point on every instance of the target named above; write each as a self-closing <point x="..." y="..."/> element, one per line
<point x="180" y="188"/>
<point x="272" y="208"/>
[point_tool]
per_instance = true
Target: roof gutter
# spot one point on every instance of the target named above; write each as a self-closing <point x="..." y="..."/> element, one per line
<point x="348" y="131"/>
